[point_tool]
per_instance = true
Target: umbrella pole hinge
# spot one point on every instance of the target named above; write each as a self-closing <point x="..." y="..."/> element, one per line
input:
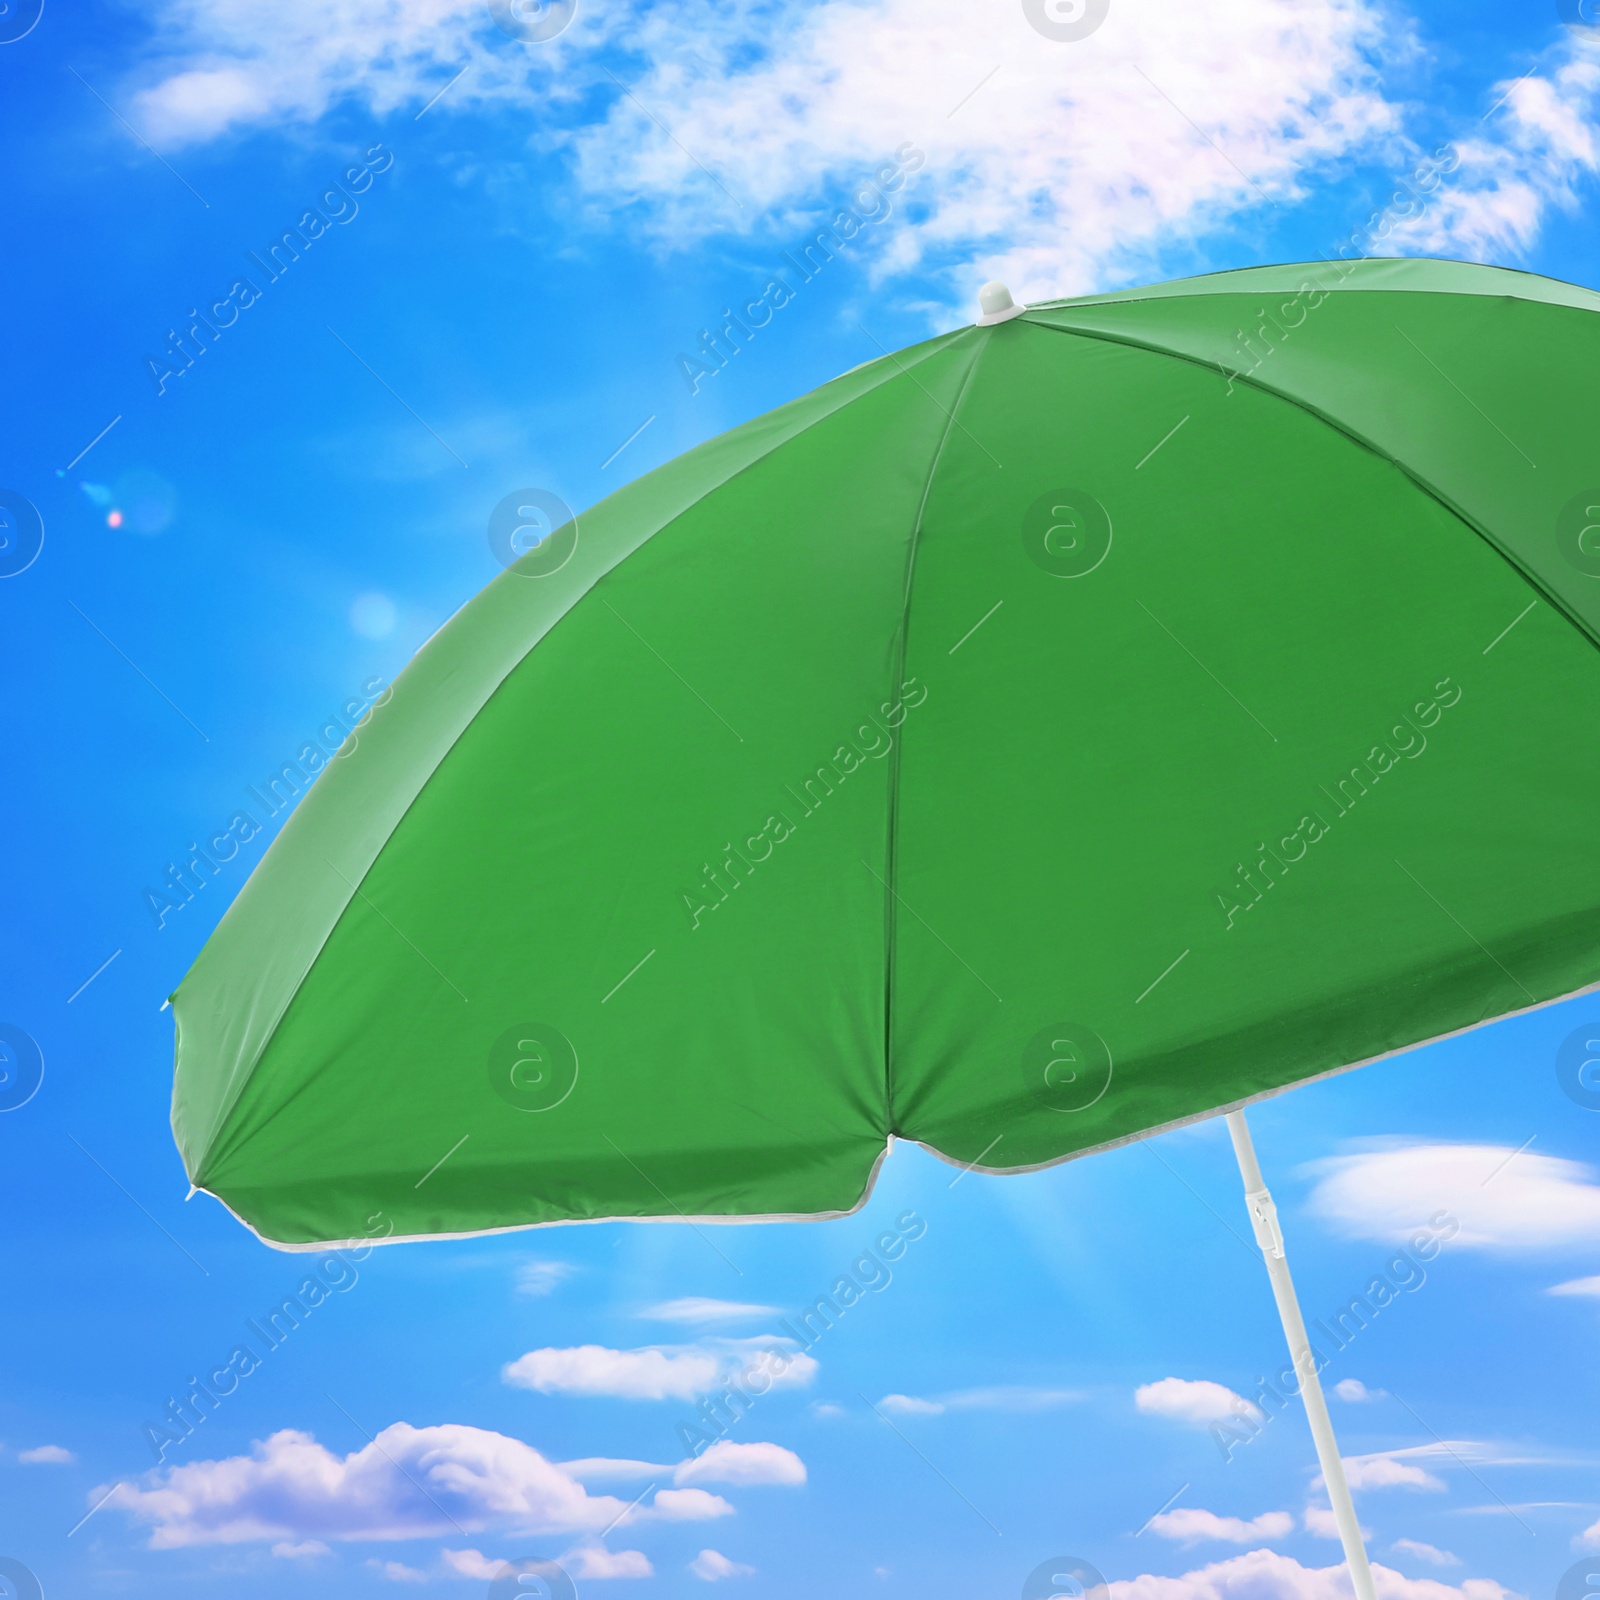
<point x="1264" y="1219"/>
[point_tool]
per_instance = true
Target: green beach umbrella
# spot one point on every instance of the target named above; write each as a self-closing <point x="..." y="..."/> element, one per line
<point x="1081" y="723"/>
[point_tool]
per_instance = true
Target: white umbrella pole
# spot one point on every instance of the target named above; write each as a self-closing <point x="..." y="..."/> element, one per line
<point x="1264" y="1219"/>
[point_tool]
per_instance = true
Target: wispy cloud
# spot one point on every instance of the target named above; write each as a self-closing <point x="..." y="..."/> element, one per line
<point x="535" y="1279"/>
<point x="725" y="1462"/>
<point x="998" y="1397"/>
<point x="654" y="1372"/>
<point x="1189" y="1525"/>
<point x="713" y="1566"/>
<point x="1432" y="1554"/>
<point x="696" y="1310"/>
<point x="1503" y="1198"/>
<point x="1354" y="1391"/>
<point x="1589" y="1288"/>
<point x="1197" y="1401"/>
<point x="591" y="1560"/>
<point x="1402" y="1469"/>
<point x="1521" y="162"/>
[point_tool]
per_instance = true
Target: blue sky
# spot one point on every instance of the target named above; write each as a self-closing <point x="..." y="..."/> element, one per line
<point x="503" y="294"/>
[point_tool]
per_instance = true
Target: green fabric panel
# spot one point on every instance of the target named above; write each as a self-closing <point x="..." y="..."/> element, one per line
<point x="690" y="696"/>
<point x="1091" y="771"/>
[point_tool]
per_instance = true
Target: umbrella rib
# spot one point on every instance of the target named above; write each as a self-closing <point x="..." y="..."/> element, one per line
<point x="891" y="849"/>
<point x="951" y="415"/>
<point x="933" y="930"/>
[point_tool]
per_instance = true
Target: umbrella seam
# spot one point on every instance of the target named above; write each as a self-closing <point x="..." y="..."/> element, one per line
<point x="1127" y="341"/>
<point x="891" y="918"/>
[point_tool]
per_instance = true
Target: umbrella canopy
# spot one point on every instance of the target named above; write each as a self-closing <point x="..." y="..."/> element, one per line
<point x="1065" y="728"/>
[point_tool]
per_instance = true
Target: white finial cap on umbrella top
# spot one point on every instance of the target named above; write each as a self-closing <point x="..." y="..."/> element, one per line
<point x="996" y="305"/>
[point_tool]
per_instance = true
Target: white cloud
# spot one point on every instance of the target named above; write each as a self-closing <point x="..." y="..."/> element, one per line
<point x="472" y="1564"/>
<point x="1065" y="167"/>
<point x="534" y="1279"/>
<point x="1384" y="1471"/>
<point x="1503" y="1199"/>
<point x="222" y="65"/>
<point x="408" y="1483"/>
<point x="722" y="1462"/>
<point x="689" y="1505"/>
<point x="1070" y="161"/>
<point x="1322" y="1524"/>
<point x="47" y="1455"/>
<point x="306" y="1550"/>
<point x="1589" y="1539"/>
<point x="397" y="1572"/>
<point x="1430" y="1553"/>
<point x="657" y="1372"/>
<point x="595" y="1561"/>
<point x="740" y="1464"/>
<point x="910" y="1405"/>
<point x="1355" y="1391"/>
<point x="697" y="1309"/>
<point x="1527" y="159"/>
<point x="712" y="1565"/>
<point x="1267" y="1575"/>
<point x="1588" y="1287"/>
<point x="1192" y="1526"/>
<point x="1197" y="1402"/>
<point x="592" y="1369"/>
